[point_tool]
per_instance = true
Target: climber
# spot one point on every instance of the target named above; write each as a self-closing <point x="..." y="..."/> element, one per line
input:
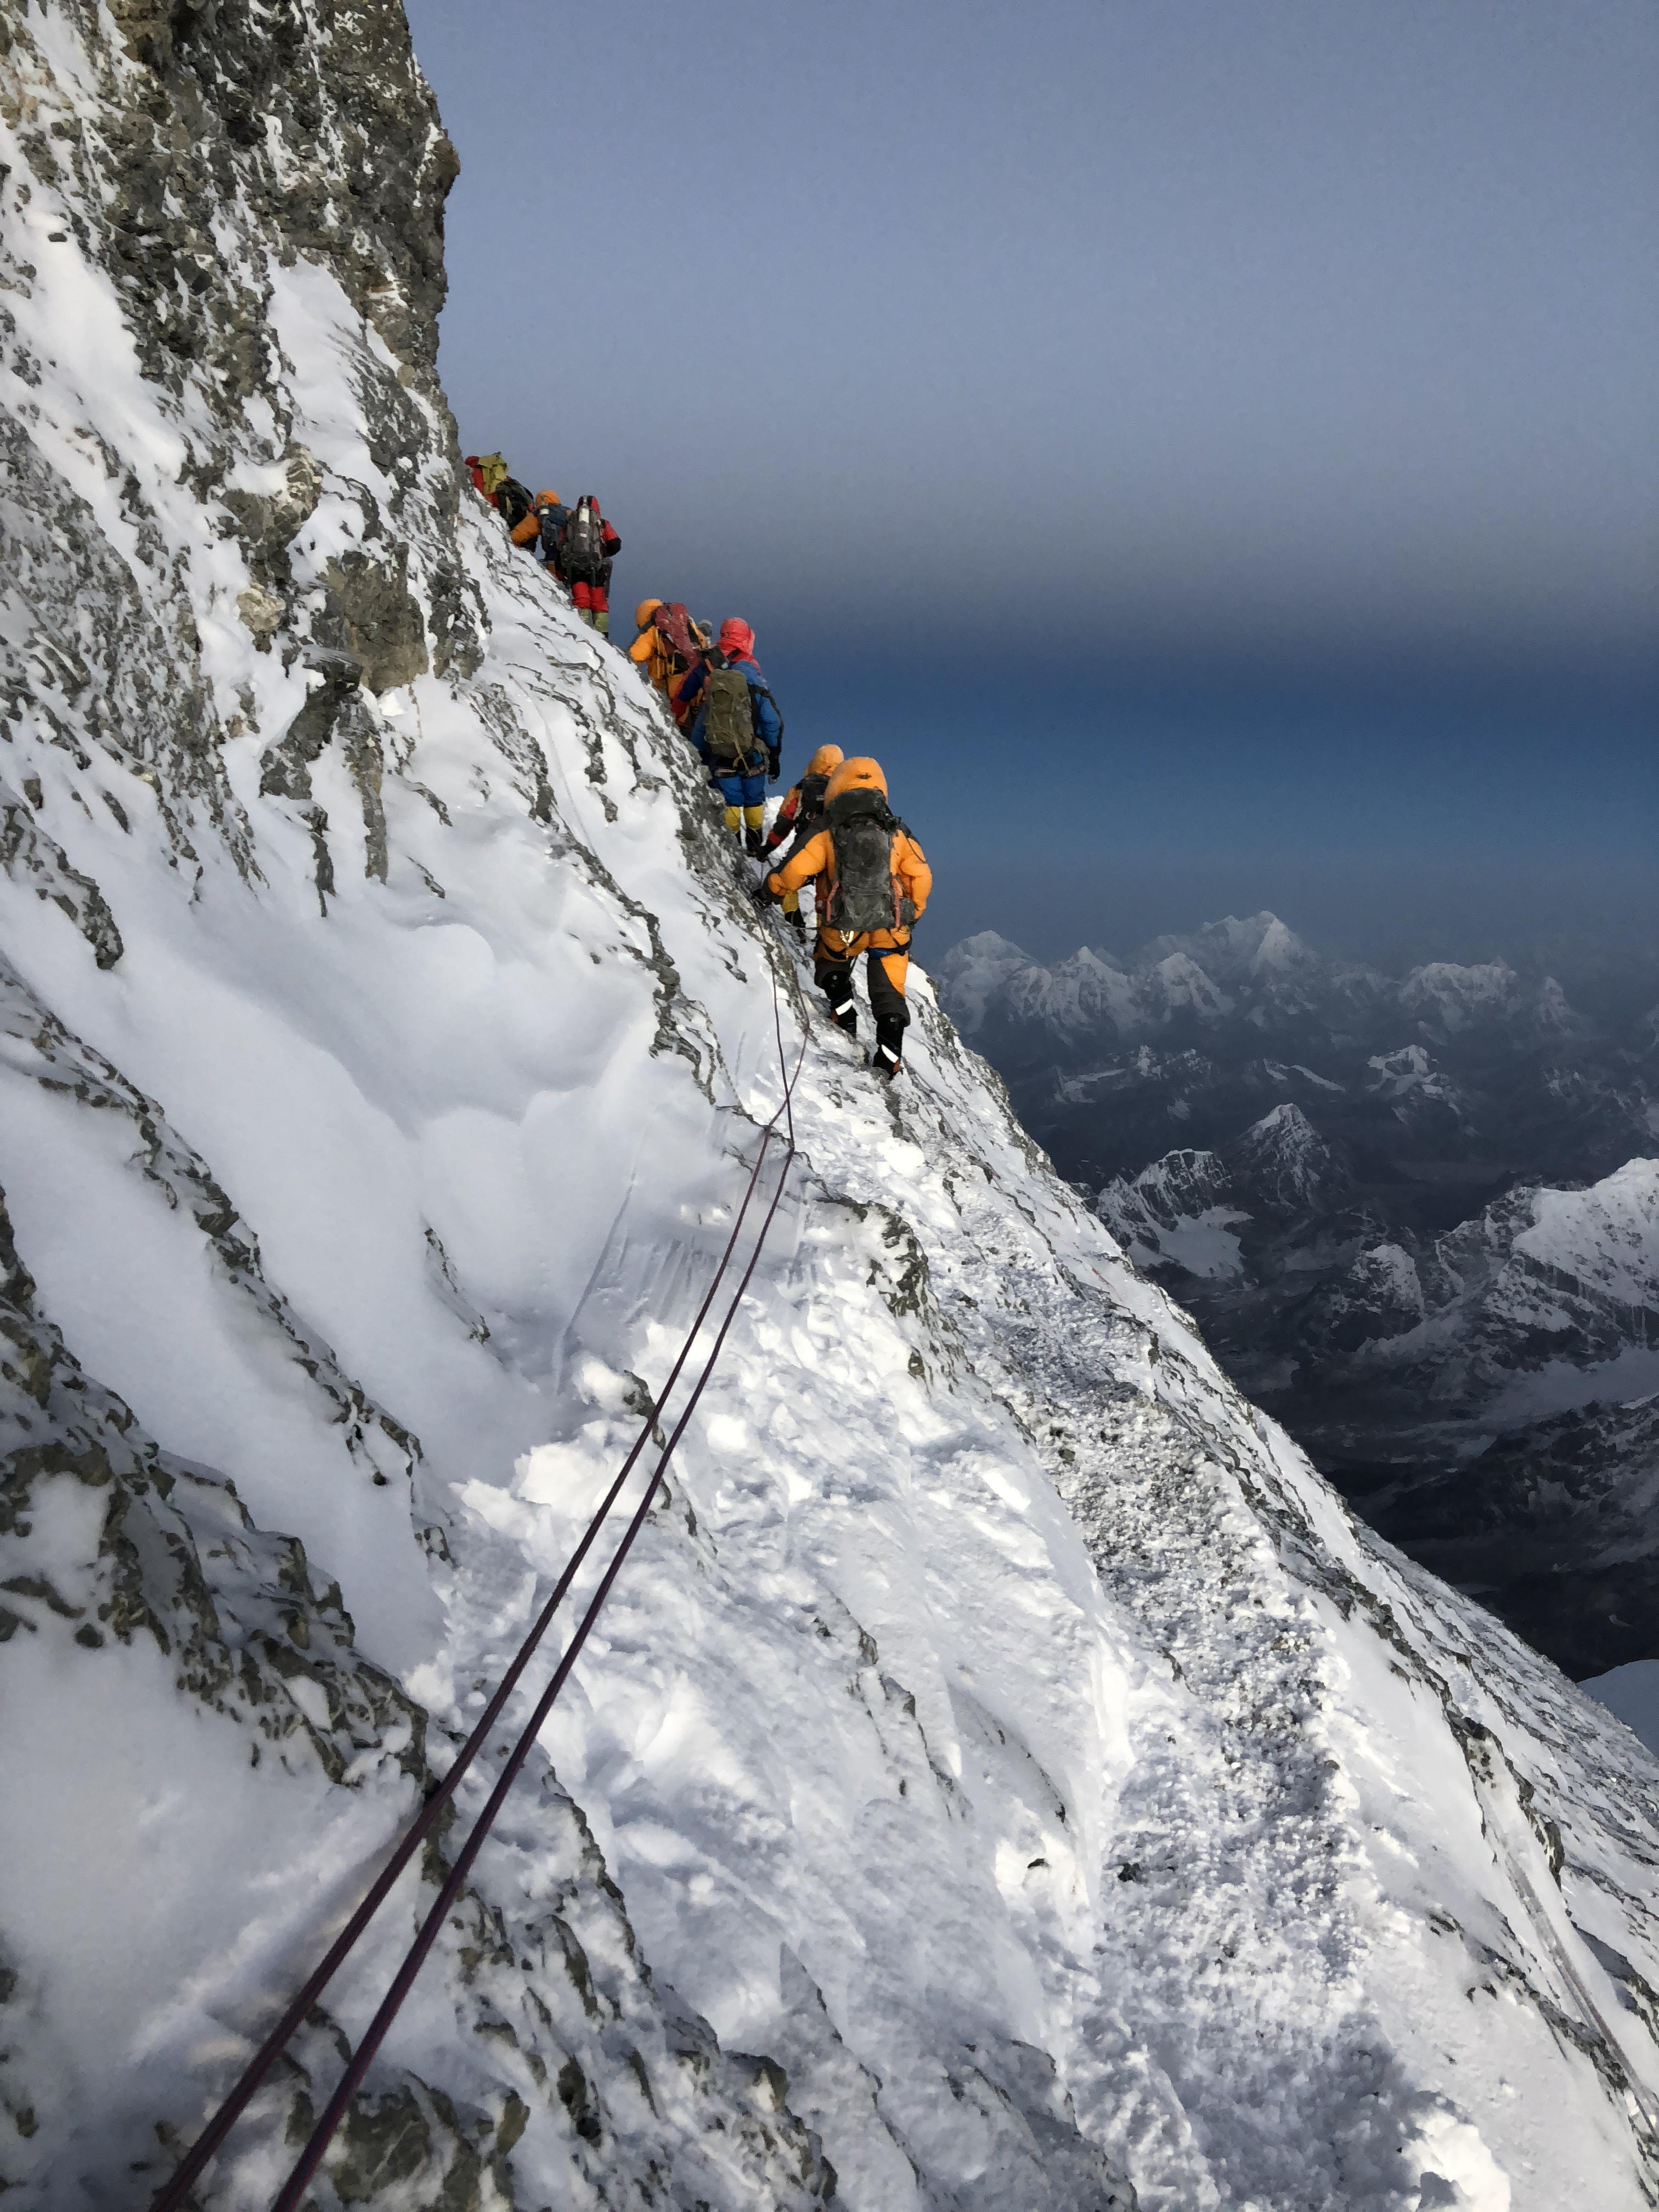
<point x="586" y="546"/>
<point x="736" y="727"/>
<point x="694" y="647"/>
<point x="540" y="528"/>
<point x="799" y="817"/>
<point x="650" y="652"/>
<point x="491" y="475"/>
<point x="872" y="886"/>
<point x="667" y="646"/>
<point x="551" y="515"/>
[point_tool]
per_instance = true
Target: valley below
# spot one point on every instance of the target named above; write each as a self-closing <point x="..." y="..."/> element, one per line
<point x="1417" y="1218"/>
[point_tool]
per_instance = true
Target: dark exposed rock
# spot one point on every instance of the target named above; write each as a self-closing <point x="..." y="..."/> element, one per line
<point x="377" y="618"/>
<point x="209" y="157"/>
<point x="83" y="656"/>
<point x="27" y="853"/>
<point x="268" y="522"/>
<point x="177" y="1560"/>
<point x="285" y="770"/>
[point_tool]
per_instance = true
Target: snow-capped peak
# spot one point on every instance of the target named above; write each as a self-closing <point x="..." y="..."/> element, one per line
<point x="1280" y="948"/>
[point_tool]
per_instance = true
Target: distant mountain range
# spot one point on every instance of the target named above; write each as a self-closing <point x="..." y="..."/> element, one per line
<point x="1371" y="1192"/>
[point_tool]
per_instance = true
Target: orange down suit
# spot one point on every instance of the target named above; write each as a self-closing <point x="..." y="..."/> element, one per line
<point x="817" y="858"/>
<point x="833" y="954"/>
<point x="650" y="650"/>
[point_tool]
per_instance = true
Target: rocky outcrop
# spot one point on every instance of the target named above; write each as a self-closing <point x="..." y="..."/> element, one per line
<point x="107" y="1542"/>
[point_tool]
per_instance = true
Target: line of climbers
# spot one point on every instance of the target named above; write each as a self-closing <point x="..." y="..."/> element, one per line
<point x="577" y="544"/>
<point x="834" y="829"/>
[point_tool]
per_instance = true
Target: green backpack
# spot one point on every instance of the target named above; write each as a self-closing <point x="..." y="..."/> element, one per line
<point x="729" y="725"/>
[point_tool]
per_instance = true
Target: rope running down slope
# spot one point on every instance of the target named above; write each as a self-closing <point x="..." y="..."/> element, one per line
<point x="173" y="2195"/>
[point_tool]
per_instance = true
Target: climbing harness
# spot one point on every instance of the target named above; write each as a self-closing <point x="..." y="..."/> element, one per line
<point x="172" y="2196"/>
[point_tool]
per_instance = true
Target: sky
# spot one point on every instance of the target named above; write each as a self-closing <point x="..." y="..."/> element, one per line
<point x="1207" y="452"/>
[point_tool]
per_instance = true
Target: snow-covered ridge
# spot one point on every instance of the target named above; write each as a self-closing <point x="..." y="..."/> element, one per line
<point x="1179" y="1211"/>
<point x="1005" y="1777"/>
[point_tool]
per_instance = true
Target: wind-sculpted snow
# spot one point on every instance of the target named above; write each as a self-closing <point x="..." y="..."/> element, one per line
<point x="1003" y="1778"/>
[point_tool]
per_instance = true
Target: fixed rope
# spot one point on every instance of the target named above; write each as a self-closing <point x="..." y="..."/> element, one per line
<point x="173" y="2195"/>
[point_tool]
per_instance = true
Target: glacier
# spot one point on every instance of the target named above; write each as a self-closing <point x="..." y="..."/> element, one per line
<point x="1006" y="1776"/>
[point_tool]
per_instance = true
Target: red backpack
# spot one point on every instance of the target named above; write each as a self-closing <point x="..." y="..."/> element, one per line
<point x="677" y="632"/>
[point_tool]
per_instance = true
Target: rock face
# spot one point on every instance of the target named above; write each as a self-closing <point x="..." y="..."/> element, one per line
<point x="1004" y="1776"/>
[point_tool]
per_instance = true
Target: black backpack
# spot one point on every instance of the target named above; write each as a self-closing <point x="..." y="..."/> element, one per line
<point x="809" y="807"/>
<point x="582" y="549"/>
<point x="513" y="500"/>
<point x="864" y="892"/>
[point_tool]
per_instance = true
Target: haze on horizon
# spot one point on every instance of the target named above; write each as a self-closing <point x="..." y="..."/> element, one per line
<point x="1207" y="452"/>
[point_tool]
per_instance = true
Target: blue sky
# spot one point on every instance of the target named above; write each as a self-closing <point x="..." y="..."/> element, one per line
<point x="1207" y="451"/>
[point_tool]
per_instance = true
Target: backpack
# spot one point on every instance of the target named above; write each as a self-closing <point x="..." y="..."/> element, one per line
<point x="554" y="518"/>
<point x="490" y="469"/>
<point x="674" y="627"/>
<point x="810" y="805"/>
<point x="864" y="892"/>
<point x="582" y="549"/>
<point x="806" y="820"/>
<point x="513" y="500"/>
<point x="728" y="719"/>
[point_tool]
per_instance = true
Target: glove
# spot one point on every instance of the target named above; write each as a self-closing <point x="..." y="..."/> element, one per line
<point x="773" y="766"/>
<point x="764" y="895"/>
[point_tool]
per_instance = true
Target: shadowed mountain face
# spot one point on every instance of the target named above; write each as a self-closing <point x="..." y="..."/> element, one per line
<point x="1370" y="1189"/>
<point x="1448" y="1081"/>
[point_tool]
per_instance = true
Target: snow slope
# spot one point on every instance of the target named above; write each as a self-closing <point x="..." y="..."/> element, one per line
<point x="1005" y="1776"/>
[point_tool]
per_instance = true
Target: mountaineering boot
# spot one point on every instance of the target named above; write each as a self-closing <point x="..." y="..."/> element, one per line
<point x="847" y="1019"/>
<point x="602" y="622"/>
<point x="797" y="921"/>
<point x="734" y="820"/>
<point x="885" y="1062"/>
<point x="585" y="614"/>
<point x="753" y="840"/>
